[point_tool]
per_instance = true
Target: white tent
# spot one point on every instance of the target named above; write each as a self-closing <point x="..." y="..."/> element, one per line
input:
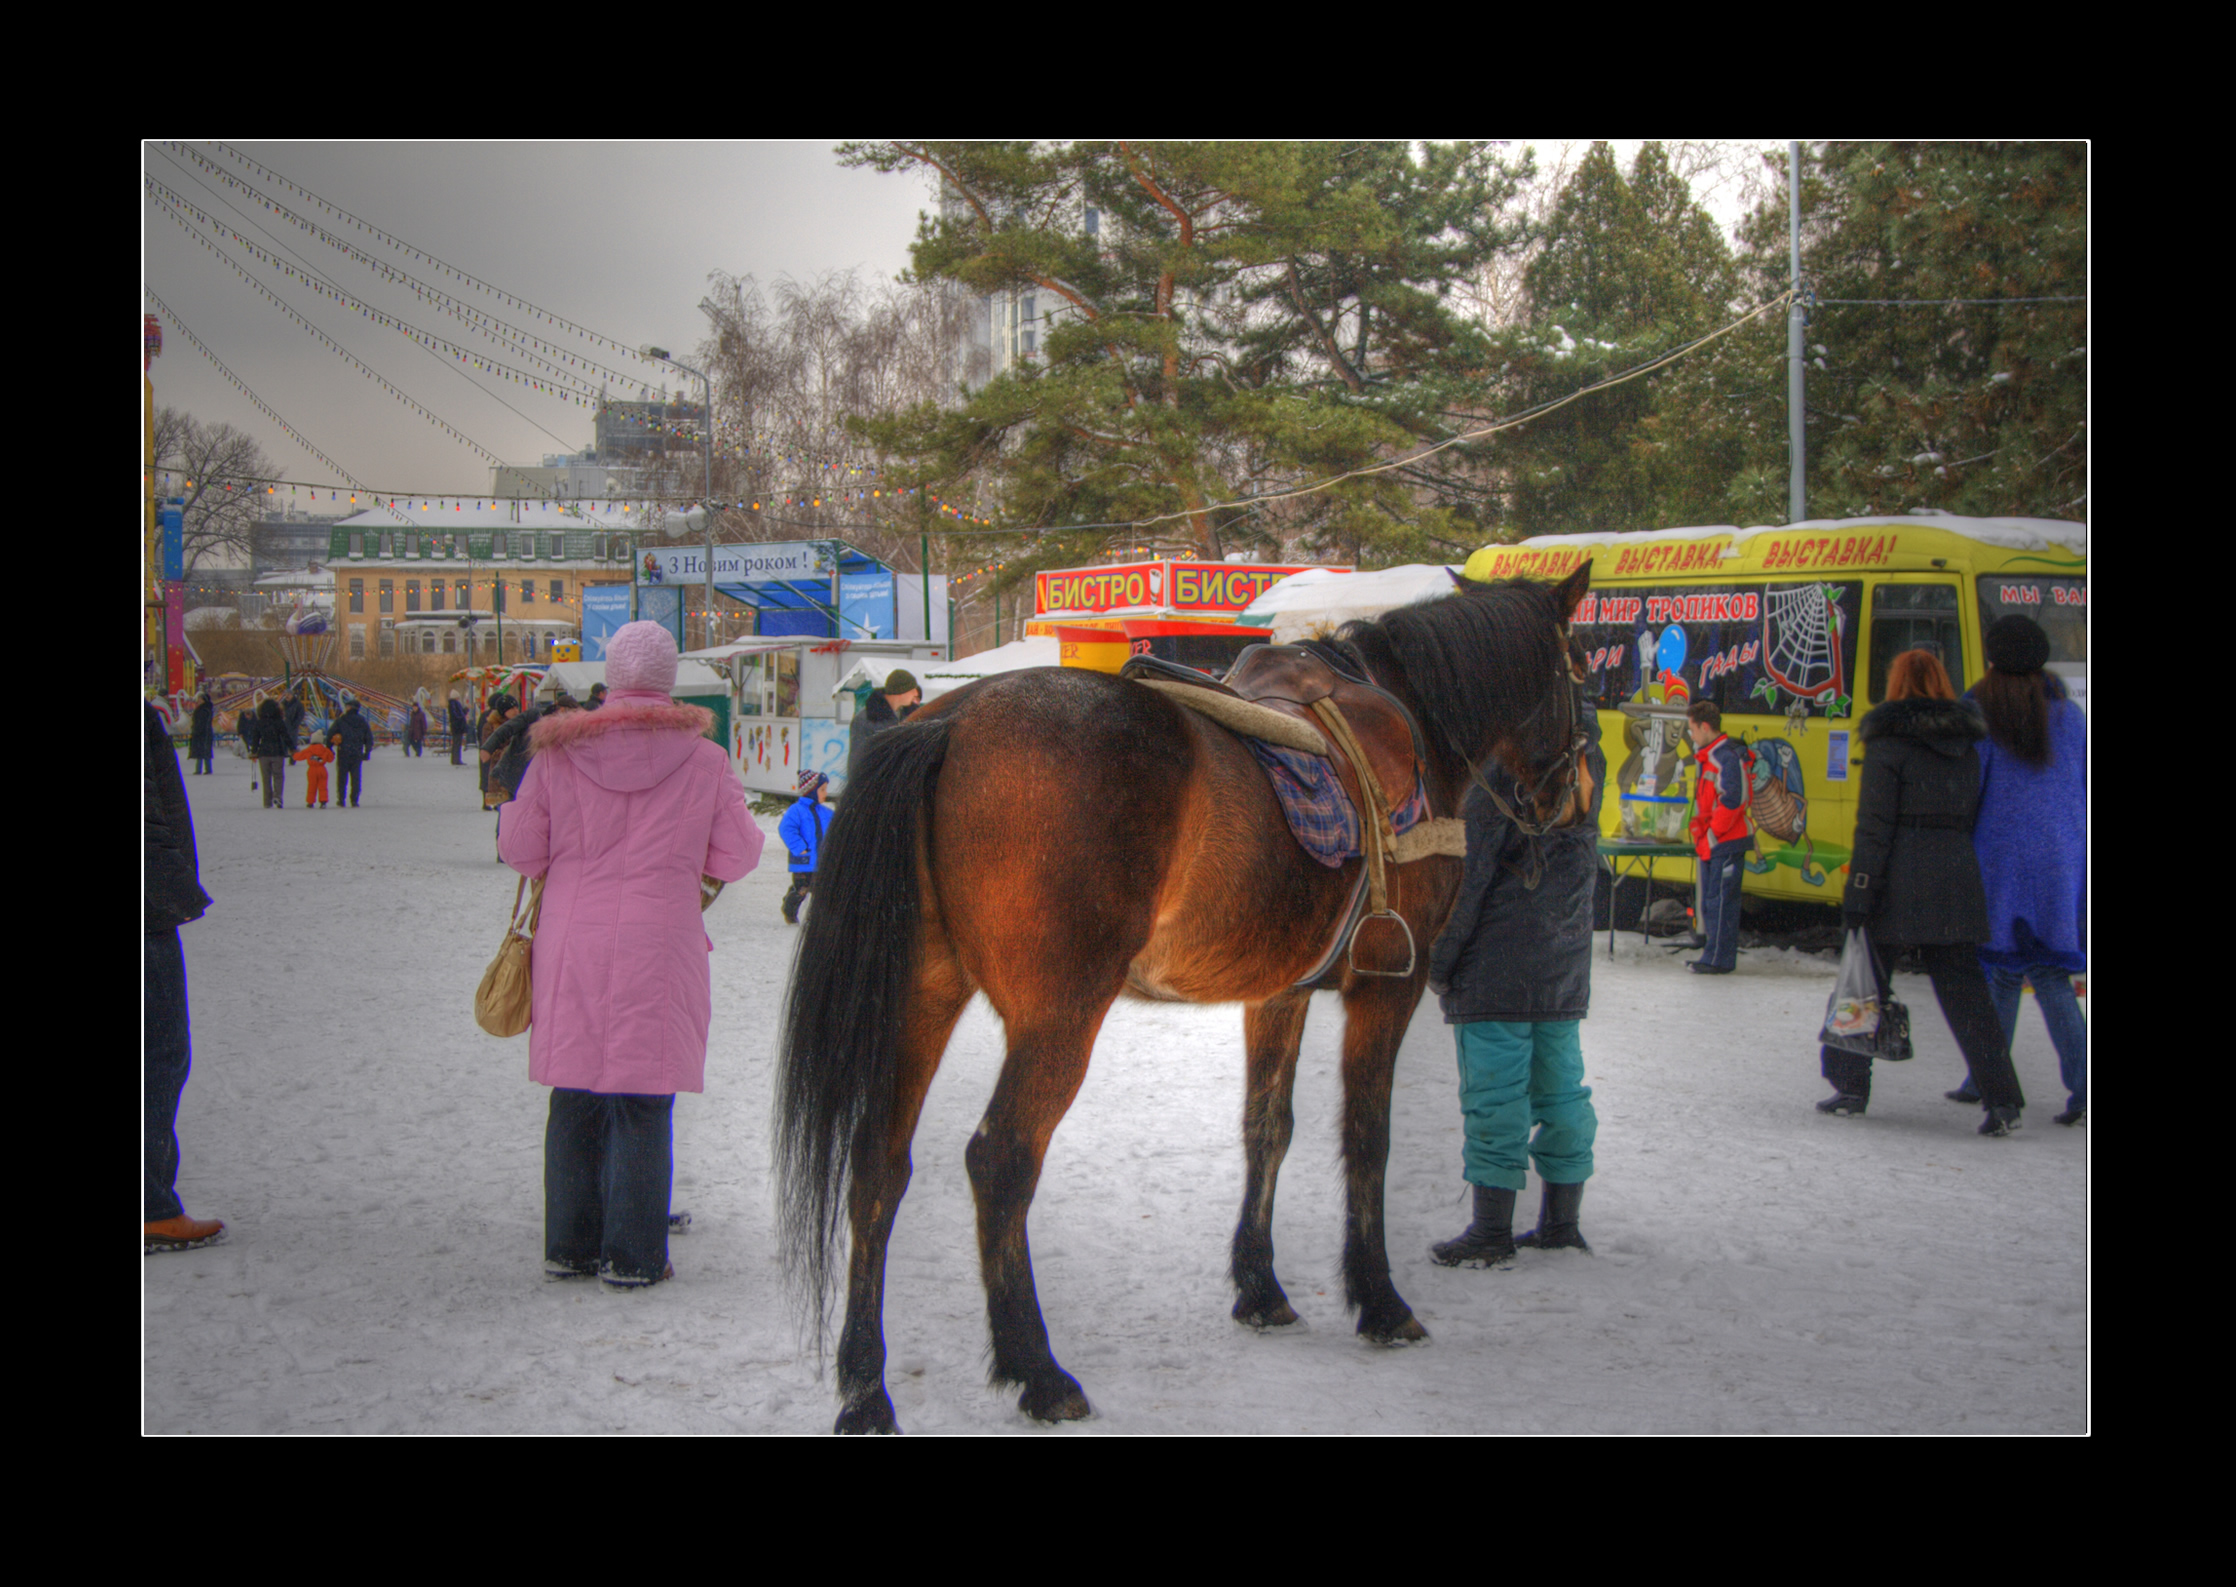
<point x="938" y="677"/>
<point x="1315" y="603"/>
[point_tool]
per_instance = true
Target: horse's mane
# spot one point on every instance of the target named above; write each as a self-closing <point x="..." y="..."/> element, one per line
<point x="1476" y="661"/>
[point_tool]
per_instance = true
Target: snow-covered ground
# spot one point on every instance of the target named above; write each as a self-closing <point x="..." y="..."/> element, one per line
<point x="1759" y="1267"/>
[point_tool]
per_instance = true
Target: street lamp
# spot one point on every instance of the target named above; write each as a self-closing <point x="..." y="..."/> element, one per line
<point x="706" y="431"/>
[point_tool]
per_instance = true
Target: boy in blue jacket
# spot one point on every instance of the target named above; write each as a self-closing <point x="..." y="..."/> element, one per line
<point x="802" y="832"/>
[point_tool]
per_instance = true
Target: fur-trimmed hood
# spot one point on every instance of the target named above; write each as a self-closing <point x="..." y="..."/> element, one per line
<point x="624" y="745"/>
<point x="1946" y="725"/>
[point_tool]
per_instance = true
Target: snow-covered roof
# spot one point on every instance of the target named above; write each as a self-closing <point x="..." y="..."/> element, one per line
<point x="1317" y="601"/>
<point x="2017" y="534"/>
<point x="937" y="677"/>
<point x="491" y="512"/>
<point x="578" y="678"/>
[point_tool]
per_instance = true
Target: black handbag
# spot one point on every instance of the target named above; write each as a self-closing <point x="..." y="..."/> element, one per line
<point x="1894" y="1032"/>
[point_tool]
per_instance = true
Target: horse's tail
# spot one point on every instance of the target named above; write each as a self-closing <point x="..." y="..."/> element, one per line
<point x="851" y="979"/>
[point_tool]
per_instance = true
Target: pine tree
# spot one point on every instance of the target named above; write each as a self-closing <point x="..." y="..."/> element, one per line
<point x="1628" y="269"/>
<point x="1977" y="408"/>
<point x="1244" y="318"/>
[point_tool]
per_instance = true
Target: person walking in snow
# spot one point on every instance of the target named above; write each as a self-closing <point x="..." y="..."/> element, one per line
<point x="801" y="832"/>
<point x="315" y="758"/>
<point x="172" y="878"/>
<point x="415" y="731"/>
<point x="351" y="738"/>
<point x="1720" y="836"/>
<point x="887" y="708"/>
<point x="275" y="742"/>
<point x="621" y="1027"/>
<point x="201" y="740"/>
<point x="1513" y="971"/>
<point x="2032" y="843"/>
<point x="455" y="714"/>
<point x="1914" y="881"/>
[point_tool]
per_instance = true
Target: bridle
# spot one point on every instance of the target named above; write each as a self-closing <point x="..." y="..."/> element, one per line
<point x="1559" y="792"/>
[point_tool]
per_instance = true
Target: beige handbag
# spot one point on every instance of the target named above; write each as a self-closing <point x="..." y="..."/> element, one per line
<point x="501" y="1002"/>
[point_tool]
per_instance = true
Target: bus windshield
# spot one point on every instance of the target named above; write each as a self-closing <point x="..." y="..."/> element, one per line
<point x="2060" y="605"/>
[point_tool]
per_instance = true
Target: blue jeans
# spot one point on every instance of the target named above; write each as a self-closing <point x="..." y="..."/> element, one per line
<point x="164" y="1061"/>
<point x="2061" y="1011"/>
<point x="608" y="1166"/>
<point x="1720" y="876"/>
<point x="349" y="780"/>
<point x="1516" y="1075"/>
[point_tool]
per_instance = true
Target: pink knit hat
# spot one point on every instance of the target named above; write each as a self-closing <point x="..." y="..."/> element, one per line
<point x="641" y="656"/>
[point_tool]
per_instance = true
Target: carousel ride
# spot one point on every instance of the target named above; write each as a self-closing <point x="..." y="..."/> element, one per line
<point x="308" y="646"/>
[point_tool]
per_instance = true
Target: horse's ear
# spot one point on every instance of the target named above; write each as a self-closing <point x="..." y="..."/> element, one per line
<point x="1571" y="590"/>
<point x="1460" y="581"/>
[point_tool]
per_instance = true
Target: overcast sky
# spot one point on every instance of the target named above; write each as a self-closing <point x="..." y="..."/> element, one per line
<point x="617" y="237"/>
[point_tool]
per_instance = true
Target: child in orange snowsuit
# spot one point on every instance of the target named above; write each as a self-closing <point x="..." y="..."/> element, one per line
<point x="314" y="758"/>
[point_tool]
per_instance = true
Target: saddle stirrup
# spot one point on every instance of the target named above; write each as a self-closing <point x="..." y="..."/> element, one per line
<point x="1382" y="914"/>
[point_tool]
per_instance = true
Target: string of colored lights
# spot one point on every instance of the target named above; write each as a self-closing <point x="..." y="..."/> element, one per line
<point x="242" y="387"/>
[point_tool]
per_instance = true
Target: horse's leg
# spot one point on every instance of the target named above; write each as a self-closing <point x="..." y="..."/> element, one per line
<point x="1271" y="1032"/>
<point x="1047" y="1061"/>
<point x="1375" y="1015"/>
<point x="879" y="1178"/>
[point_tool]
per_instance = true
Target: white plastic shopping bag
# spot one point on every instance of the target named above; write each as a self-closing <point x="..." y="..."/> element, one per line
<point x="1852" y="1016"/>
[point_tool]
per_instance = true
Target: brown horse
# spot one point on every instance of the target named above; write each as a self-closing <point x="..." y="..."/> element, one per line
<point x="1059" y="837"/>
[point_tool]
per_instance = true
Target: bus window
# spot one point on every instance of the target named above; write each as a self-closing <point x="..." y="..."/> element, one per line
<point x="2059" y="605"/>
<point x="1914" y="617"/>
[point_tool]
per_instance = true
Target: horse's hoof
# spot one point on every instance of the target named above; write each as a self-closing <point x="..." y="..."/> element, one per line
<point x="1406" y="1330"/>
<point x="871" y="1414"/>
<point x="1278" y="1315"/>
<point x="1055" y="1397"/>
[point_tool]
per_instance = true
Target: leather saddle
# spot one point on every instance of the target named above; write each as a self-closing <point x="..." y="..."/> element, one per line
<point x="1290" y="680"/>
<point x="1329" y="707"/>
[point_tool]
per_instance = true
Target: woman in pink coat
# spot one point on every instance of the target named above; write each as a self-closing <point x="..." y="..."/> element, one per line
<point x="621" y="811"/>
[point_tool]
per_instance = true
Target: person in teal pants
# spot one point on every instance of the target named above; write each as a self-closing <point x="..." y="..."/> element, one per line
<point x="1513" y="970"/>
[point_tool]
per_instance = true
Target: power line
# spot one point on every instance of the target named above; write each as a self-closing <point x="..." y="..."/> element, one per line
<point x="268" y="174"/>
<point x="1928" y="303"/>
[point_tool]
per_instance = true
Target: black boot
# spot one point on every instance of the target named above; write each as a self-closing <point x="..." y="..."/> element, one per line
<point x="1489" y="1240"/>
<point x="1556" y="1221"/>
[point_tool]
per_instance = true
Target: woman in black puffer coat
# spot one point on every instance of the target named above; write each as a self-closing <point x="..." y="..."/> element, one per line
<point x="1914" y="881"/>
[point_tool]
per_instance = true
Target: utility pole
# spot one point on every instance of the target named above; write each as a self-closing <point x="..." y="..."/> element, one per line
<point x="1797" y="454"/>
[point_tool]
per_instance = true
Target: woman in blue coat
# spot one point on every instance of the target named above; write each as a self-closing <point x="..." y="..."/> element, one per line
<point x="802" y="831"/>
<point x="2032" y="843"/>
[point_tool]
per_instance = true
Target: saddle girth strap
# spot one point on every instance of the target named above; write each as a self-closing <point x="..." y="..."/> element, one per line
<point x="1376" y="835"/>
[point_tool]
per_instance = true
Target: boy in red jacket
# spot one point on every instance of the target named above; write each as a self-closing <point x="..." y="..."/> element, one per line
<point x="1720" y="834"/>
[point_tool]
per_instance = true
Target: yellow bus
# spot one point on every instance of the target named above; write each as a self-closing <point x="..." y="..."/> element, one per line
<point x="1789" y="631"/>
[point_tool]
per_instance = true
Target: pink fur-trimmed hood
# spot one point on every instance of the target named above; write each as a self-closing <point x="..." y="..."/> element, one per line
<point x="625" y="746"/>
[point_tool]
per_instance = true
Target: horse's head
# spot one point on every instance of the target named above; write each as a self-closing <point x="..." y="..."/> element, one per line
<point x="1497" y="673"/>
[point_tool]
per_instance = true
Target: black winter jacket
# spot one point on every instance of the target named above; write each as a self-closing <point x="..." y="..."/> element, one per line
<point x="509" y="744"/>
<point x="172" y="869"/>
<point x="1913" y="876"/>
<point x="274" y="738"/>
<point x="351" y="735"/>
<point x="199" y="738"/>
<point x="1513" y="952"/>
<point x="872" y="719"/>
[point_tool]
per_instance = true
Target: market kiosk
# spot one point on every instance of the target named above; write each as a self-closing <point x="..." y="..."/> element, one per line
<point x="791" y="700"/>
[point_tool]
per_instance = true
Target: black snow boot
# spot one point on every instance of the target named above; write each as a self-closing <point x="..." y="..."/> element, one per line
<point x="1556" y="1221"/>
<point x="1489" y="1240"/>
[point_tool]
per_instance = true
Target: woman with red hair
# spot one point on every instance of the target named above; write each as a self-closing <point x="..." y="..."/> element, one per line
<point x="1913" y="880"/>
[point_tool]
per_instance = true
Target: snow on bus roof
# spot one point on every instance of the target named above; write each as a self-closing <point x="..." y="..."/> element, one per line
<point x="2017" y="534"/>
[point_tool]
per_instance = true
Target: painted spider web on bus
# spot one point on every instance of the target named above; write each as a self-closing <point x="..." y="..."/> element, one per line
<point x="1801" y="633"/>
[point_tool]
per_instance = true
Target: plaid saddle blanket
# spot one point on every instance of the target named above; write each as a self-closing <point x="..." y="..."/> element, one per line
<point x="1318" y="811"/>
